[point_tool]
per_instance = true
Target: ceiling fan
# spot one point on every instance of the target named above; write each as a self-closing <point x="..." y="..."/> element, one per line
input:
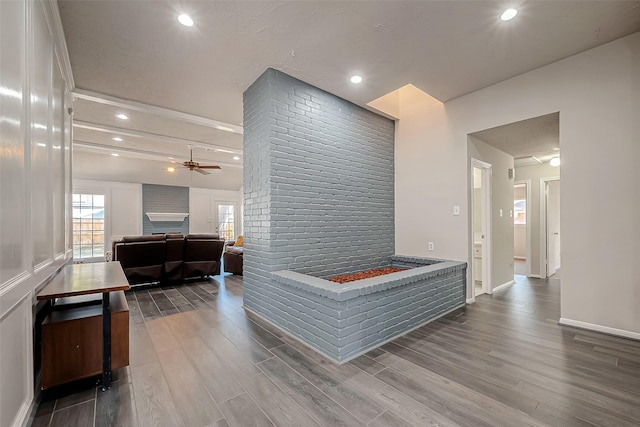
<point x="195" y="166"/>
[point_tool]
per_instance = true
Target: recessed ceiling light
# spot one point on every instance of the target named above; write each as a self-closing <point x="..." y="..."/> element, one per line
<point x="508" y="14"/>
<point x="185" y="20"/>
<point x="117" y="139"/>
<point x="115" y="154"/>
<point x="356" y="79"/>
<point x="236" y="158"/>
<point x="40" y="144"/>
<point x="171" y="169"/>
<point x="555" y="161"/>
<point x="122" y="116"/>
<point x="224" y="128"/>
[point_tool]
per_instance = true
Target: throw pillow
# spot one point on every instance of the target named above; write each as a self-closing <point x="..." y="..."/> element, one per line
<point x="239" y="241"/>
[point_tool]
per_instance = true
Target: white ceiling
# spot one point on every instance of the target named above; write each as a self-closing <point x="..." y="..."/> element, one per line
<point x="136" y="50"/>
<point x="538" y="137"/>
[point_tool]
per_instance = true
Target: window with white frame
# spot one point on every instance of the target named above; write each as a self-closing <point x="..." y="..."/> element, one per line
<point x="226" y="221"/>
<point x="88" y="226"/>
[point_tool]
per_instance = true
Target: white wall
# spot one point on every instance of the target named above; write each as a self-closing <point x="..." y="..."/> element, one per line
<point x="536" y="173"/>
<point x="597" y="94"/>
<point x="35" y="185"/>
<point x="520" y="241"/>
<point x="123" y="207"/>
<point x="501" y="201"/>
<point x="202" y="202"/>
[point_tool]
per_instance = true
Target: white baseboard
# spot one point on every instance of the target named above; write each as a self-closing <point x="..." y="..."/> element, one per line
<point x="535" y="276"/>
<point x="471" y="300"/>
<point x="599" y="328"/>
<point x="504" y="285"/>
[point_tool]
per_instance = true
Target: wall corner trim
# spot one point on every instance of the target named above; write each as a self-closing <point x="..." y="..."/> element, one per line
<point x="54" y="22"/>
<point x="599" y="328"/>
<point x="504" y="286"/>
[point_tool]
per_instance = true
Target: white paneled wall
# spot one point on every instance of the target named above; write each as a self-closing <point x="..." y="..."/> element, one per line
<point x="35" y="184"/>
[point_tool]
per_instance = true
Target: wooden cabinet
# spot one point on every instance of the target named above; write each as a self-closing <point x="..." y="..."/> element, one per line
<point x="72" y="341"/>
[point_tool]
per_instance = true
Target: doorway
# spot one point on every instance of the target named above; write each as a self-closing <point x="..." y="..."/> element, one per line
<point x="481" y="228"/>
<point x="551" y="205"/>
<point x="522" y="228"/>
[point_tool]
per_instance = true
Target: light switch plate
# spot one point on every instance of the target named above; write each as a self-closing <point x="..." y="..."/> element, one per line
<point x="456" y="210"/>
<point x="500" y="213"/>
<point x="510" y="213"/>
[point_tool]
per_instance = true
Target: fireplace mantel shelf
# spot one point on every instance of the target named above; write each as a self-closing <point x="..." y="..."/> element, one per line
<point x="167" y="216"/>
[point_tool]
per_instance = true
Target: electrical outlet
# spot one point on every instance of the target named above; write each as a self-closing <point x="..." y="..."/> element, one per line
<point x="431" y="247"/>
<point x="456" y="210"/>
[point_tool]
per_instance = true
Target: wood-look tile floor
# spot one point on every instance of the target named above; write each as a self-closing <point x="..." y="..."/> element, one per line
<point x="198" y="360"/>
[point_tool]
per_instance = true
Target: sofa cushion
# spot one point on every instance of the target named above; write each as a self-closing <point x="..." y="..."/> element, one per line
<point x="174" y="236"/>
<point x="239" y="242"/>
<point x="234" y="249"/>
<point x="147" y="238"/>
<point x="203" y="236"/>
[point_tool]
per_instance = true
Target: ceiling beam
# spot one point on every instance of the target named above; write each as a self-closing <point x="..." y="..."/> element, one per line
<point x="156" y="111"/>
<point x="151" y="155"/>
<point x="154" y="136"/>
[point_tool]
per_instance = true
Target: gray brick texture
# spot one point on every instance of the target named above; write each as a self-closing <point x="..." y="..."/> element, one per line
<point x="318" y="181"/>
<point x="319" y="201"/>
<point x="345" y="320"/>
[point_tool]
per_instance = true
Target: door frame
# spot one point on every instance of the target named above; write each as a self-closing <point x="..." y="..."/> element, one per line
<point x="216" y="218"/>
<point x="544" y="249"/>
<point x="486" y="191"/>
<point x="528" y="249"/>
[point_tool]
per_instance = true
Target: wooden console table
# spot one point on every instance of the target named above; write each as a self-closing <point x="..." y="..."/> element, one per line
<point x="76" y="280"/>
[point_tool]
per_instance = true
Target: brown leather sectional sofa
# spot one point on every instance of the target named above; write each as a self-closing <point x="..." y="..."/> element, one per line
<point x="168" y="257"/>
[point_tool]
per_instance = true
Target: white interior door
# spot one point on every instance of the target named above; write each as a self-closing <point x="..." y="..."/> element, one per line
<point x="553" y="226"/>
<point x="225" y="218"/>
<point x="200" y="213"/>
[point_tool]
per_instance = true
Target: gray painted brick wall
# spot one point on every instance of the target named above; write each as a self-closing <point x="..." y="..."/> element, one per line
<point x="319" y="201"/>
<point x="318" y="182"/>
<point x="164" y="198"/>
<point x="342" y="324"/>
